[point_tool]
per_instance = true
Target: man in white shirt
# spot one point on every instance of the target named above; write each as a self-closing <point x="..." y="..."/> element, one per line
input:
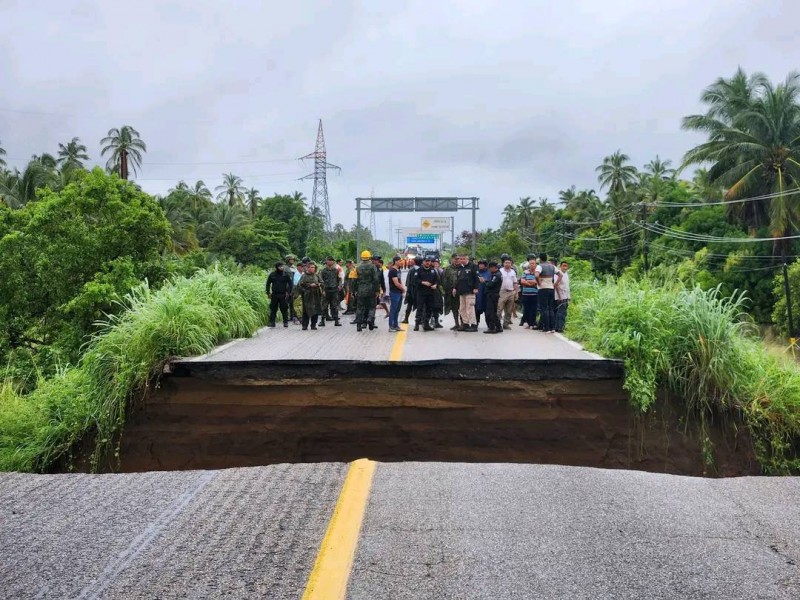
<point x="561" y="282"/>
<point x="508" y="293"/>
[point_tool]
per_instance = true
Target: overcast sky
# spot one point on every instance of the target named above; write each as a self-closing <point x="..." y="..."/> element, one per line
<point x="418" y="98"/>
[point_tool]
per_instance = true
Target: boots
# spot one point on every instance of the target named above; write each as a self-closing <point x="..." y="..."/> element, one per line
<point x="271" y="324"/>
<point x="455" y="327"/>
<point x="322" y="322"/>
<point x="437" y="325"/>
<point x="358" y="326"/>
<point x="416" y="327"/>
<point x="337" y="323"/>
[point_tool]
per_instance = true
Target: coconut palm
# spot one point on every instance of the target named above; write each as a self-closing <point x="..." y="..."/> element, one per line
<point x="659" y="169"/>
<point x="252" y="201"/>
<point x="615" y="174"/>
<point x="754" y="149"/>
<point x="230" y="189"/>
<point x="19" y="187"/>
<point x="72" y="154"/>
<point x="125" y="148"/>
<point x="2" y="154"/>
<point x="526" y="213"/>
<point x="223" y="218"/>
<point x="510" y="213"/>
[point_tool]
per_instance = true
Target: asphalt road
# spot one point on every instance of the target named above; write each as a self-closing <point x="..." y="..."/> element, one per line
<point x="430" y="530"/>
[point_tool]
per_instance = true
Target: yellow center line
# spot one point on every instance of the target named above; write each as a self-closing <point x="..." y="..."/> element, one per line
<point x="396" y="354"/>
<point x="331" y="572"/>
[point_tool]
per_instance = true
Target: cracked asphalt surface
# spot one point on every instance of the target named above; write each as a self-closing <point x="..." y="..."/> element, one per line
<point x="431" y="530"/>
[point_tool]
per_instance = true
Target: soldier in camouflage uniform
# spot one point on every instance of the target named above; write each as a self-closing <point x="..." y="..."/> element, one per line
<point x="451" y="303"/>
<point x="332" y="285"/>
<point x="367" y="288"/>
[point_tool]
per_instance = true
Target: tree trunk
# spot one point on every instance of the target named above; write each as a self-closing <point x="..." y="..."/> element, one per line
<point x="123" y="165"/>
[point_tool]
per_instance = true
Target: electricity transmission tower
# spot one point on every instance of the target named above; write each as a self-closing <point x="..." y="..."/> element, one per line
<point x="319" y="198"/>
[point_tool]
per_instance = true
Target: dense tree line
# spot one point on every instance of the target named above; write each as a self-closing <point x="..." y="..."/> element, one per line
<point x="73" y="242"/>
<point x="702" y="230"/>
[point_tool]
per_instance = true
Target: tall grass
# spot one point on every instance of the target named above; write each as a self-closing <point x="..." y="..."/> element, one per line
<point x="188" y="316"/>
<point x="702" y="348"/>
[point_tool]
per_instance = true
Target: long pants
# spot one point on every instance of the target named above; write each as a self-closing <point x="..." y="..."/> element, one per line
<point x="425" y="308"/>
<point x="466" y="309"/>
<point x="546" y="299"/>
<point x="409" y="308"/>
<point x="292" y="310"/>
<point x="492" y="313"/>
<point x="396" y="299"/>
<point x="454" y="304"/>
<point x="278" y="302"/>
<point x="365" y="309"/>
<point x="306" y="319"/>
<point x="505" y="303"/>
<point x="330" y="304"/>
<point x="561" y="314"/>
<point x="529" y="303"/>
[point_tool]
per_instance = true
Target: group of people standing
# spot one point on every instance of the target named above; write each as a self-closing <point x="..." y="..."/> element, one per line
<point x="465" y="288"/>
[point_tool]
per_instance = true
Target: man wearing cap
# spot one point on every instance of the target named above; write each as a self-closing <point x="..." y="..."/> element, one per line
<point x="427" y="282"/>
<point x="466" y="286"/>
<point x="279" y="292"/>
<point x="451" y="303"/>
<point x="491" y="290"/>
<point x="368" y="287"/>
<point x="332" y="286"/>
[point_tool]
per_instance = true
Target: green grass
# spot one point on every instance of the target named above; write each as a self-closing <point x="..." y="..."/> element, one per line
<point x="185" y="317"/>
<point x="703" y="349"/>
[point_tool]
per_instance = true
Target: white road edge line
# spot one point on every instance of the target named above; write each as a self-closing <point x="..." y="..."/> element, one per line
<point x="578" y="346"/>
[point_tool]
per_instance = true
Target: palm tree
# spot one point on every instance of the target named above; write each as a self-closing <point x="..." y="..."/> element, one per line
<point x="754" y="148"/>
<point x="230" y="189"/>
<point x="19" y="187"/>
<point x="253" y="200"/>
<point x="510" y="213"/>
<point x="223" y="218"/>
<point x="71" y="155"/>
<point x="659" y="169"/>
<point x="704" y="189"/>
<point x="125" y="146"/>
<point x="2" y="154"/>
<point x="615" y="174"/>
<point x="526" y="211"/>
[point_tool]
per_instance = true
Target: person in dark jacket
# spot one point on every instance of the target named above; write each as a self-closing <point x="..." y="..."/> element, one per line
<point x="466" y="287"/>
<point x="427" y="282"/>
<point x="279" y="291"/>
<point x="480" y="297"/>
<point x="492" y="291"/>
<point x="411" y="287"/>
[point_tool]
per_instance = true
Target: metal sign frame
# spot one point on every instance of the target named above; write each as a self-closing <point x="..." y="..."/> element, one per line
<point x="415" y="204"/>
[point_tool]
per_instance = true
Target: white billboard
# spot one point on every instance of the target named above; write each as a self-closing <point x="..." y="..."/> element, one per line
<point x="429" y="224"/>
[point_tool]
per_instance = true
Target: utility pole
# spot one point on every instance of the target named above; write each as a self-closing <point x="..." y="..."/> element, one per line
<point x="319" y="198"/>
<point x="644" y="238"/>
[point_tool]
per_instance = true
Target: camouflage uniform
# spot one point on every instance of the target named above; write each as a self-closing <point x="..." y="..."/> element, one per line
<point x="330" y="300"/>
<point x="367" y="286"/>
<point x="451" y="303"/>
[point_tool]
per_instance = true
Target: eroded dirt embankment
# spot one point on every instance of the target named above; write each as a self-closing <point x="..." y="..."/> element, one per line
<point x="196" y="424"/>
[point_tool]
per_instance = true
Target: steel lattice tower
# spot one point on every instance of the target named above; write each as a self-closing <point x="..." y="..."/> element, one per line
<point x="319" y="198"/>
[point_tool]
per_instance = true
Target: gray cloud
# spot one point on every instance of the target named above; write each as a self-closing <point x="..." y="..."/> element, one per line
<point x="497" y="100"/>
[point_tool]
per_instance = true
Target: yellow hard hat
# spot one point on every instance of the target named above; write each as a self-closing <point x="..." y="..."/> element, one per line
<point x="365" y="255"/>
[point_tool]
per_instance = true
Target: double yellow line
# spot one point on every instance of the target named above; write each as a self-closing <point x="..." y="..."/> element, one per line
<point x="331" y="572"/>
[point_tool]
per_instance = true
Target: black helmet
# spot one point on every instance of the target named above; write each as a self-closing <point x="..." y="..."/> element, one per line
<point x="531" y="257"/>
<point x="505" y="256"/>
<point x="305" y="260"/>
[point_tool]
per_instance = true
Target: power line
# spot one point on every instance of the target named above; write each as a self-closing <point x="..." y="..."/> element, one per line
<point x="695" y="237"/>
<point x="769" y="196"/>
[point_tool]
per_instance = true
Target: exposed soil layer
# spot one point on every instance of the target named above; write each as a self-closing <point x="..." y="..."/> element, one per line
<point x="200" y="423"/>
